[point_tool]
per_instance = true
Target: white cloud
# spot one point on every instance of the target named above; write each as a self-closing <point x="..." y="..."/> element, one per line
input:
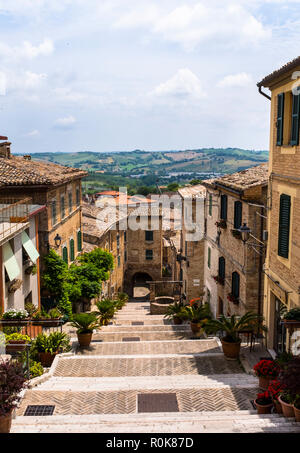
<point x="65" y="123"/>
<point x="3" y="84"/>
<point x="236" y="80"/>
<point x="33" y="133"/>
<point x="27" y="50"/>
<point x="183" y="85"/>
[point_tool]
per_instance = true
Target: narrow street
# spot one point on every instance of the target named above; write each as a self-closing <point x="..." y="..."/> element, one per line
<point x="143" y="374"/>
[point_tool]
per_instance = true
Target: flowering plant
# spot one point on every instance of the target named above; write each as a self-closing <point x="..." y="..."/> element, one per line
<point x="218" y="279"/>
<point x="195" y="301"/>
<point x="232" y="298"/>
<point x="14" y="314"/>
<point x="12" y="381"/>
<point x="266" y="368"/>
<point x="264" y="398"/>
<point x="275" y="388"/>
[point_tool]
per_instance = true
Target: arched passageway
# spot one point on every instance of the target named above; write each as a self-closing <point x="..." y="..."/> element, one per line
<point x="140" y="287"/>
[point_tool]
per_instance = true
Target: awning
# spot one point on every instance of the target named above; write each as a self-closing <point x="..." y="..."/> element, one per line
<point x="10" y="262"/>
<point x="29" y="247"/>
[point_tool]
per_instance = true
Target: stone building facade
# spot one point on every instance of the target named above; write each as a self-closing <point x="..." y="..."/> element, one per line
<point x="233" y="270"/>
<point x="282" y="270"/>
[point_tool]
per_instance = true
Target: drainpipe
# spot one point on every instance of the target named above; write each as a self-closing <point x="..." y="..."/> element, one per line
<point x="260" y="269"/>
<point x="263" y="94"/>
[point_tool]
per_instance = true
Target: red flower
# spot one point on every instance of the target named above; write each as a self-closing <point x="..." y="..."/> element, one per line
<point x="275" y="388"/>
<point x="266" y="368"/>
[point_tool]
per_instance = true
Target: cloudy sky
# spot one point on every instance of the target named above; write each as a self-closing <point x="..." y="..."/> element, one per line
<point x="109" y="75"/>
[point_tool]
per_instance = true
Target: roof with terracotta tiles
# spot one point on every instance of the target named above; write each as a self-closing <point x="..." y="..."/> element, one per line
<point x="290" y="66"/>
<point x="18" y="171"/>
<point x="197" y="191"/>
<point x="242" y="180"/>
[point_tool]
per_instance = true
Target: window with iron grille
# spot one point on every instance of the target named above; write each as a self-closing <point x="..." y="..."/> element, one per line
<point x="149" y="254"/>
<point x="148" y="235"/>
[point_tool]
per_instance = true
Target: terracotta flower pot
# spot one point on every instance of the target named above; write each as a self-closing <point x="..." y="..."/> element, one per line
<point x="277" y="406"/>
<point x="297" y="414"/>
<point x="46" y="358"/>
<point x="177" y="320"/>
<point x="84" y="339"/>
<point x="5" y="423"/>
<point x="12" y="345"/>
<point x="287" y="409"/>
<point x="196" y="327"/>
<point x="231" y="350"/>
<point x="263" y="408"/>
<point x="264" y="381"/>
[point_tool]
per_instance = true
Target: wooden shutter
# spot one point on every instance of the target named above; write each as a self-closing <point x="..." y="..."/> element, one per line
<point x="235" y="285"/>
<point x="79" y="241"/>
<point x="72" y="254"/>
<point x="222" y="267"/>
<point x="210" y="204"/>
<point x="295" y="120"/>
<point x="208" y="257"/>
<point x="284" y="226"/>
<point x="65" y="254"/>
<point x="280" y="114"/>
<point x="238" y="209"/>
<point x="224" y="207"/>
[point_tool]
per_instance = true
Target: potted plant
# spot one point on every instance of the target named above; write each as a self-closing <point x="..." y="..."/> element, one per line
<point x="231" y="342"/>
<point x="291" y="319"/>
<point x="289" y="377"/>
<point x="48" y="346"/>
<point x="85" y="323"/>
<point x="218" y="279"/>
<point x="198" y="315"/>
<point x="275" y="387"/>
<point x="38" y="318"/>
<point x="106" y="311"/>
<point x="54" y="317"/>
<point x="14" y="317"/>
<point x="266" y="371"/>
<point x="176" y="312"/>
<point x="14" y="285"/>
<point x="12" y="381"/>
<point x="15" y="339"/>
<point x="263" y="403"/>
<point x="221" y="224"/>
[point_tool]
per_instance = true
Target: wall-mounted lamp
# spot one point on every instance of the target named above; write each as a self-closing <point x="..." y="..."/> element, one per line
<point x="57" y="240"/>
<point x="245" y="232"/>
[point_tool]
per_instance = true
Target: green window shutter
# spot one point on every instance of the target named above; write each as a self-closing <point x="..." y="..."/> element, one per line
<point x="280" y="114"/>
<point x="284" y="226"/>
<point x="65" y="254"/>
<point x="235" y="285"/>
<point x="295" y="120"/>
<point x="72" y="252"/>
<point x="70" y="202"/>
<point x="210" y="204"/>
<point x="79" y="241"/>
<point x="224" y="207"/>
<point x="62" y="207"/>
<point x="222" y="267"/>
<point x="209" y="257"/>
<point x="54" y="212"/>
<point x="238" y="210"/>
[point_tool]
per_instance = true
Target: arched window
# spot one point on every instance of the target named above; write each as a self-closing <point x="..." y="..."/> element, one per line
<point x="65" y="254"/>
<point x="222" y="268"/>
<point x="79" y="241"/>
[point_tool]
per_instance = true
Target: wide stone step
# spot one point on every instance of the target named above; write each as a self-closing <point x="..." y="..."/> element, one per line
<point x="166" y="335"/>
<point x="156" y="423"/>
<point x="146" y="328"/>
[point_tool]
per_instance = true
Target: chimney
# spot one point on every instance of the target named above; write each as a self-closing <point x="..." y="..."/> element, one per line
<point x="5" y="150"/>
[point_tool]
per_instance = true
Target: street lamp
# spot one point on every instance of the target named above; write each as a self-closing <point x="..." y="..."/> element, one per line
<point x="57" y="240"/>
<point x="245" y="232"/>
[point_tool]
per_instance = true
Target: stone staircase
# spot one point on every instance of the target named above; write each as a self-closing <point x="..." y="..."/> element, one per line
<point x="98" y="389"/>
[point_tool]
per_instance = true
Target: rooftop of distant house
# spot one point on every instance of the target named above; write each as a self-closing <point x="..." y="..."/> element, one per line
<point x="197" y="191"/>
<point x="22" y="170"/>
<point x="242" y="180"/>
<point x="284" y="70"/>
<point x="121" y="198"/>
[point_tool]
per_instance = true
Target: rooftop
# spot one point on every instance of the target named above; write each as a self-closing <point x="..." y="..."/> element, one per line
<point x="290" y="66"/>
<point x="197" y="191"/>
<point x="242" y="180"/>
<point x="18" y="171"/>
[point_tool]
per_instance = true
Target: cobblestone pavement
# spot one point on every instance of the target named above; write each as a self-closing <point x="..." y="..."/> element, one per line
<point x="144" y="336"/>
<point x="156" y="347"/>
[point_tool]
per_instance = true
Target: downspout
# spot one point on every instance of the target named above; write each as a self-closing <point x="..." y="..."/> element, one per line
<point x="260" y="269"/>
<point x="263" y="94"/>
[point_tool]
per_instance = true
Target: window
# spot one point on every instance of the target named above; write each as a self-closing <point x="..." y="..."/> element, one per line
<point x="118" y="240"/>
<point x="65" y="254"/>
<point x="220" y="307"/>
<point x="295" y="120"/>
<point x="238" y="210"/>
<point x="223" y="215"/>
<point x="79" y="241"/>
<point x="119" y="261"/>
<point x="62" y="207"/>
<point x="149" y="254"/>
<point x="77" y="196"/>
<point x="125" y="236"/>
<point x="221" y="268"/>
<point x="125" y="256"/>
<point x="208" y="296"/>
<point x="279" y="124"/>
<point x="208" y="257"/>
<point x="148" y="235"/>
<point x="284" y="226"/>
<point x="72" y="251"/>
<point x="70" y="202"/>
<point x="53" y="208"/>
<point x="235" y="285"/>
<point x="210" y="204"/>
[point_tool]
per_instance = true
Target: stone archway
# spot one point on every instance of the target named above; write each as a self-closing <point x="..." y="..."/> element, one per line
<point x="140" y="287"/>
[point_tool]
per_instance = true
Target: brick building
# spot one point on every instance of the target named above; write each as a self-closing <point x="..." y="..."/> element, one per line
<point x="55" y="186"/>
<point x="282" y="270"/>
<point x="233" y="270"/>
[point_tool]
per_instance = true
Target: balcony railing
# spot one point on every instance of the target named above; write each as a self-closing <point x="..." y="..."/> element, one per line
<point x="13" y="212"/>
